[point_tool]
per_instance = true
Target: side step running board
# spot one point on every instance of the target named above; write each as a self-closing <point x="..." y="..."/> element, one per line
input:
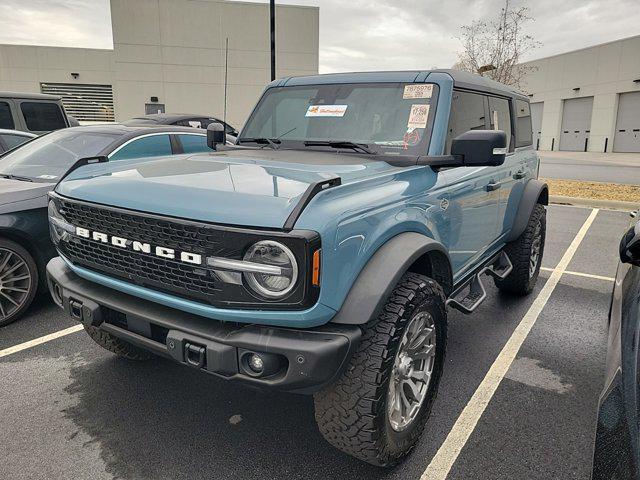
<point x="499" y="267"/>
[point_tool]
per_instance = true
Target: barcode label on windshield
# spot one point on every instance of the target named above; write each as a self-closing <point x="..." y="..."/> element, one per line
<point x="421" y="90"/>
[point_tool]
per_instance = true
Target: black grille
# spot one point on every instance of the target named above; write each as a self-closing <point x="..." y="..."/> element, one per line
<point x="181" y="279"/>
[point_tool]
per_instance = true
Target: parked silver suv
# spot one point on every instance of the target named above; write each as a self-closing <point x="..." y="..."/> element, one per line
<point x="32" y="112"/>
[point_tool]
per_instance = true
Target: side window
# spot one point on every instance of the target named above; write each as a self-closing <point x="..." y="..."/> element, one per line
<point x="153" y="146"/>
<point x="500" y="117"/>
<point x="523" y="124"/>
<point x="12" y="141"/>
<point x="194" y="143"/>
<point x="42" y="117"/>
<point x="467" y="113"/>
<point x="6" y="119"/>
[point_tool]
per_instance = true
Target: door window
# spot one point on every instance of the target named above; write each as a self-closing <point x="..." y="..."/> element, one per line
<point x="12" y="141"/>
<point x="6" y="120"/>
<point x="500" y="117"/>
<point x="194" y="143"/>
<point x="42" y="117"/>
<point x="152" y="146"/>
<point x="467" y="113"/>
<point x="523" y="124"/>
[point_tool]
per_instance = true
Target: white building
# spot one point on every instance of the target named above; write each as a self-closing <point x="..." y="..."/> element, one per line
<point x="588" y="99"/>
<point x="170" y="55"/>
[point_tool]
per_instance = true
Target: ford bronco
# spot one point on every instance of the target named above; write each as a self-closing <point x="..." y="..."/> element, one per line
<point x="319" y="255"/>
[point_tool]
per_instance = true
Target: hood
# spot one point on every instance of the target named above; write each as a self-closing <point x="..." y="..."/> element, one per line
<point x="238" y="187"/>
<point x="14" y="191"/>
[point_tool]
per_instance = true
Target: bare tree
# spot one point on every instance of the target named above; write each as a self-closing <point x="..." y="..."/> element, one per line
<point x="494" y="48"/>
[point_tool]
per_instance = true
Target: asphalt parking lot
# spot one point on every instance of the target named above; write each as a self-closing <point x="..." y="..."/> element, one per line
<point x="69" y="409"/>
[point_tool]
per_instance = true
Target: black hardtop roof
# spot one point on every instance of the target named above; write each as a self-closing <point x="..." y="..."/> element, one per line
<point x="464" y="80"/>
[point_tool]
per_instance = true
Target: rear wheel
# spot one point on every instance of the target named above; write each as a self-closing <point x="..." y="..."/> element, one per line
<point x="377" y="410"/>
<point x="18" y="281"/>
<point x="525" y="254"/>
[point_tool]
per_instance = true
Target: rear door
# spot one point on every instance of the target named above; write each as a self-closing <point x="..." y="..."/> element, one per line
<point x="42" y="116"/>
<point x="473" y="201"/>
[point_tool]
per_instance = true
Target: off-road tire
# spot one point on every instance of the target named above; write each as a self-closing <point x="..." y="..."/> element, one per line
<point x="22" y="253"/>
<point x="116" y="345"/>
<point x="352" y="413"/>
<point x="519" y="281"/>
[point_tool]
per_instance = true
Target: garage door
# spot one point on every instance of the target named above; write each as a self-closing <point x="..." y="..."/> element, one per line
<point x="536" y="122"/>
<point x="627" y="138"/>
<point x="576" y="122"/>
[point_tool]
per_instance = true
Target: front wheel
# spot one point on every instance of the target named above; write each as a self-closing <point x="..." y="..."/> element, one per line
<point x="18" y="281"/>
<point x="377" y="410"/>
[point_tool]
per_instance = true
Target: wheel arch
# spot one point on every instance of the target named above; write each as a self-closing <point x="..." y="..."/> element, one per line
<point x="535" y="192"/>
<point x="406" y="252"/>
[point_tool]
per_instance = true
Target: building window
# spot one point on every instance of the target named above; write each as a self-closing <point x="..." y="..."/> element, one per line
<point x="87" y="103"/>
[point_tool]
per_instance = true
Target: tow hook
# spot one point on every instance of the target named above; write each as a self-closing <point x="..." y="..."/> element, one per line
<point x="194" y="355"/>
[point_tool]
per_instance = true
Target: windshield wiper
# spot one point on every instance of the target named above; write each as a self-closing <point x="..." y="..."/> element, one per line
<point x="363" y="147"/>
<point x="15" y="177"/>
<point x="272" y="142"/>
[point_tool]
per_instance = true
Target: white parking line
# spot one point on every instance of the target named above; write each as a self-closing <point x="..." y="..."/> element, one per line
<point x="448" y="452"/>
<point x="580" y="274"/>
<point x="39" y="341"/>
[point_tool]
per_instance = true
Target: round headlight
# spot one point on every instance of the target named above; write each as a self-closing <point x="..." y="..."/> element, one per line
<point x="274" y="284"/>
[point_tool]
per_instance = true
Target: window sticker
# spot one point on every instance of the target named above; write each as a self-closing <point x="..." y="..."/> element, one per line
<point x="420" y="90"/>
<point x="495" y="120"/>
<point x="48" y="177"/>
<point x="326" y="111"/>
<point x="418" y="117"/>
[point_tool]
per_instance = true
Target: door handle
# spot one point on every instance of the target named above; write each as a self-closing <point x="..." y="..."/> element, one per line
<point x="493" y="186"/>
<point x="520" y="174"/>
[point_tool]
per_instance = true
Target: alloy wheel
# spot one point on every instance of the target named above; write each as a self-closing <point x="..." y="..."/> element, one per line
<point x="15" y="282"/>
<point x="412" y="371"/>
<point x="536" y="246"/>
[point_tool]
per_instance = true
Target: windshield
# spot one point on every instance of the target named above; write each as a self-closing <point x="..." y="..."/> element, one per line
<point x="390" y="118"/>
<point x="46" y="158"/>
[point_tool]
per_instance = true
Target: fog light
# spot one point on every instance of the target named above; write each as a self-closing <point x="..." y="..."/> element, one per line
<point x="256" y="363"/>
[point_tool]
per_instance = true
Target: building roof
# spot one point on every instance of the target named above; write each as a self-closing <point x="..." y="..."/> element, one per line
<point x="30" y="96"/>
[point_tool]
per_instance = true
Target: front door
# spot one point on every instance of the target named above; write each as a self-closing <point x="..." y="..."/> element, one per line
<point x="474" y="191"/>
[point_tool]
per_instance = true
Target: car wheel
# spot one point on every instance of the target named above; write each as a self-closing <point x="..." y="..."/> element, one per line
<point x="18" y="281"/>
<point x="525" y="254"/>
<point x="378" y="408"/>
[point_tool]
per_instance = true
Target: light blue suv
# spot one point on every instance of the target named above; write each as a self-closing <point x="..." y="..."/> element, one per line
<point x="319" y="254"/>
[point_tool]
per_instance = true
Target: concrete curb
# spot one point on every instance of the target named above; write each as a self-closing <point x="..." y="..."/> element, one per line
<point x="594" y="203"/>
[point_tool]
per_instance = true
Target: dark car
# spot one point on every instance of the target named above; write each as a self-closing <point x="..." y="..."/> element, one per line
<point x="617" y="444"/>
<point x="12" y="138"/>
<point x="29" y="172"/>
<point x="182" y="120"/>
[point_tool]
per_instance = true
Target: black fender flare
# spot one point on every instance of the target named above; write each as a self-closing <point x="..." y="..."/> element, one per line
<point x="383" y="271"/>
<point x="534" y="192"/>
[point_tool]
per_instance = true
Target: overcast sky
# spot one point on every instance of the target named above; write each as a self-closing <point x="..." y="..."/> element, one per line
<point x="357" y="34"/>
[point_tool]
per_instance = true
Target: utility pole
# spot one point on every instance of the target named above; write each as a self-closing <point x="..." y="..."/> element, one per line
<point x="272" y="22"/>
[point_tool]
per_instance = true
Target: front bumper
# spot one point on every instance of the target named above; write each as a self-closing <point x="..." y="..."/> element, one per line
<point x="301" y="361"/>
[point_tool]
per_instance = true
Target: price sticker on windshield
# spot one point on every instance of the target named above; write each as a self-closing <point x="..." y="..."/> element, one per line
<point x="326" y="110"/>
<point x="420" y="90"/>
<point x="418" y="117"/>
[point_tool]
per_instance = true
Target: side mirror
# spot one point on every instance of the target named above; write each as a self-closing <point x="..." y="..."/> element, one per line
<point x="630" y="246"/>
<point x="480" y="148"/>
<point x="215" y="135"/>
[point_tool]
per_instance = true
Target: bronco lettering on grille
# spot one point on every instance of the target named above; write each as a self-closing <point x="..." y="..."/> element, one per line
<point x="142" y="247"/>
